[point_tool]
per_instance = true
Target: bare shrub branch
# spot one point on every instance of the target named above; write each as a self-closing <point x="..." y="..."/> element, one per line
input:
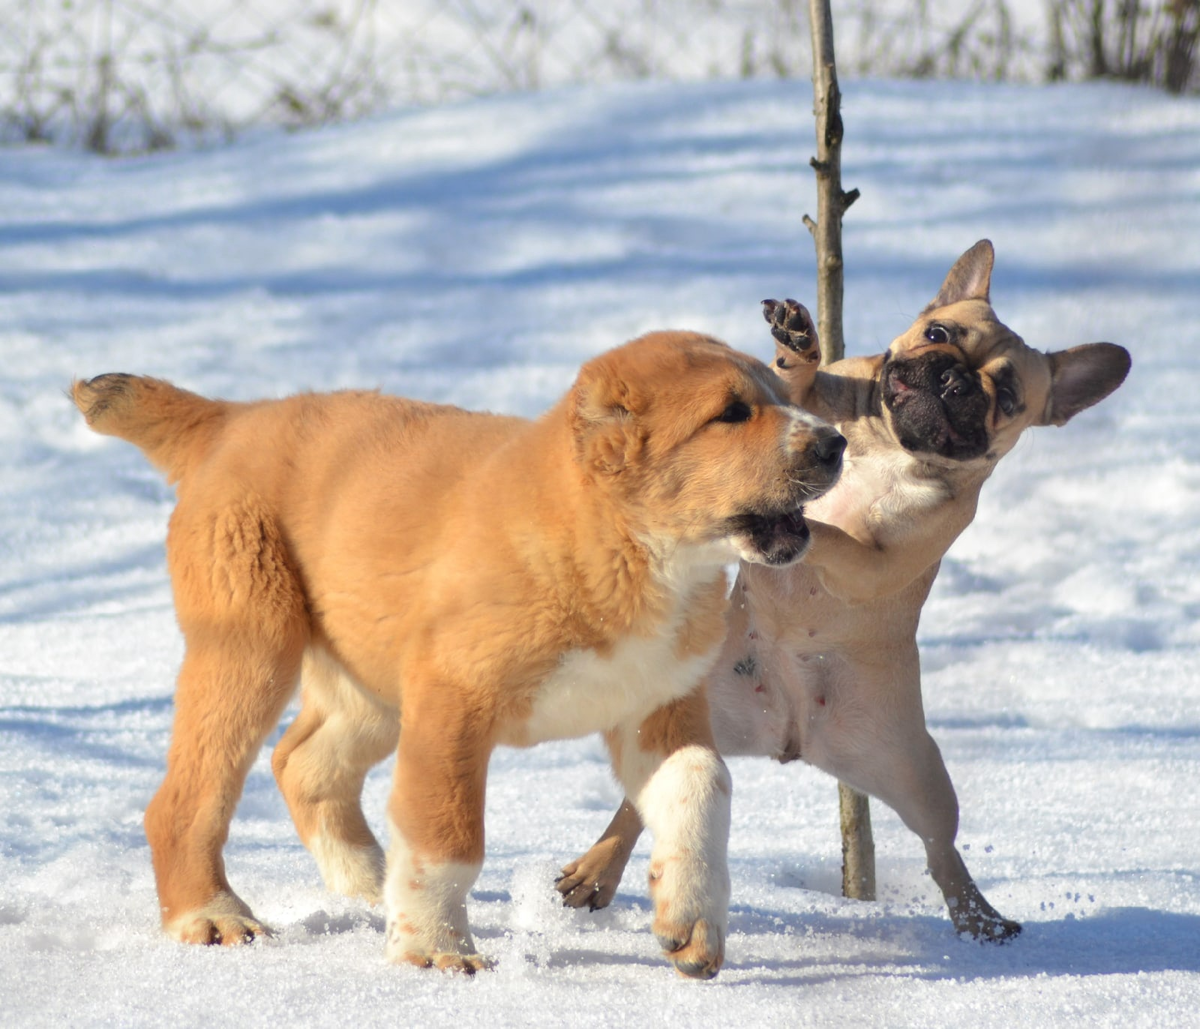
<point x="121" y="76"/>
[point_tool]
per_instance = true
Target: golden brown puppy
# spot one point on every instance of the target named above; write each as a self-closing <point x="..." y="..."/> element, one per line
<point x="821" y="658"/>
<point x="478" y="580"/>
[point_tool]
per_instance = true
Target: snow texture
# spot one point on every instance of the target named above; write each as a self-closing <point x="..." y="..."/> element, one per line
<point x="478" y="254"/>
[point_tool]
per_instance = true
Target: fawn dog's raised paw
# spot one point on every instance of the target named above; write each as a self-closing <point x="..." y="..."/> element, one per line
<point x="793" y="327"/>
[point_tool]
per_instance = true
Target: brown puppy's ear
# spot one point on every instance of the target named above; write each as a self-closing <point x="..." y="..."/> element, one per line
<point x="601" y="420"/>
<point x="969" y="279"/>
<point x="1083" y="376"/>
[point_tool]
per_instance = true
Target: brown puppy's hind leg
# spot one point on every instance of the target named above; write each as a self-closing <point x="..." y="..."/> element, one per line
<point x="242" y="614"/>
<point x="320" y="765"/>
<point x="591" y="880"/>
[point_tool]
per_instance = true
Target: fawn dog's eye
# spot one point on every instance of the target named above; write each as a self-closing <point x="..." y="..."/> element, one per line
<point x="1006" y="400"/>
<point x="736" y="411"/>
<point x="936" y="333"/>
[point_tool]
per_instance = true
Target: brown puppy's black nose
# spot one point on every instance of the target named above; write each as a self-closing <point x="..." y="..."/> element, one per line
<point x="829" y="449"/>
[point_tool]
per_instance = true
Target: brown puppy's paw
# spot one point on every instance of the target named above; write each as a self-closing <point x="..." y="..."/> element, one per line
<point x="226" y="930"/>
<point x="224" y="919"/>
<point x="355" y="872"/>
<point x="445" y="961"/>
<point x="792" y="327"/>
<point x="697" y="951"/>
<point x="589" y="881"/>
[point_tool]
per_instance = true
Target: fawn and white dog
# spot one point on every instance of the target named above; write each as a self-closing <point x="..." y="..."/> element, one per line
<point x="820" y="662"/>
<point x="445" y="582"/>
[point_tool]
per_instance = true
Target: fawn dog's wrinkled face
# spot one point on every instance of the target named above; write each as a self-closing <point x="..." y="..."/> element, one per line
<point x="960" y="385"/>
<point x="702" y="447"/>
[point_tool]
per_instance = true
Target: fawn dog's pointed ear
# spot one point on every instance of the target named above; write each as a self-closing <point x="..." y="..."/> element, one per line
<point x="601" y="417"/>
<point x="969" y="279"/>
<point x="1083" y="376"/>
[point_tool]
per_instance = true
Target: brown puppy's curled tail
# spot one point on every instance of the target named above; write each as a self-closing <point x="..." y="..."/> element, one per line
<point x="170" y="425"/>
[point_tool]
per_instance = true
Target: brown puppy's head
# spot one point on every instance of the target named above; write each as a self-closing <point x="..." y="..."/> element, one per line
<point x="697" y="446"/>
<point x="960" y="385"/>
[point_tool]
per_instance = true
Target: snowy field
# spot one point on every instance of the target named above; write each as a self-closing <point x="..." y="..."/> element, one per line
<point x="478" y="254"/>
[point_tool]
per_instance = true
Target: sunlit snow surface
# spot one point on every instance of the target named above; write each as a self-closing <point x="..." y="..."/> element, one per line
<point x="477" y="255"/>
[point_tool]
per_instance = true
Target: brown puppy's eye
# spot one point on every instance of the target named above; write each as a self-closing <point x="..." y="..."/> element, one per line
<point x="737" y="411"/>
<point x="936" y="333"/>
<point x="1006" y="400"/>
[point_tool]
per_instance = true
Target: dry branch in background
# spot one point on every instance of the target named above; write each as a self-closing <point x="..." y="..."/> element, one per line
<point x="127" y="75"/>
<point x="1155" y="42"/>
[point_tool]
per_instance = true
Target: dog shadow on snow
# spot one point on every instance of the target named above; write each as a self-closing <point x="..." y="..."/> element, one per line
<point x="1113" y="941"/>
<point x="826" y="948"/>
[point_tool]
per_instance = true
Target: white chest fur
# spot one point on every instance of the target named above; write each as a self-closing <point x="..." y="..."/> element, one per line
<point x="877" y="489"/>
<point x="591" y="691"/>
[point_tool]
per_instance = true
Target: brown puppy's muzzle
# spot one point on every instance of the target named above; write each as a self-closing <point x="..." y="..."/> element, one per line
<point x="777" y="534"/>
<point x="938" y="405"/>
<point x="827" y="450"/>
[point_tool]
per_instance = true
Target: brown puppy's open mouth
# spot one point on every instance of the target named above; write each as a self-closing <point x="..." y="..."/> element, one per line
<point x="937" y="406"/>
<point x="777" y="533"/>
<point x="776" y="538"/>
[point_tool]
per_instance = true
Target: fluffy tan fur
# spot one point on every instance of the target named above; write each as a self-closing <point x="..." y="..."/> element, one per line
<point x="475" y="580"/>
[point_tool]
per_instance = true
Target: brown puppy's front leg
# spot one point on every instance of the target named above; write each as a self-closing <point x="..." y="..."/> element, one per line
<point x="436" y="849"/>
<point x="797" y="347"/>
<point x="592" y="880"/>
<point x="670" y="767"/>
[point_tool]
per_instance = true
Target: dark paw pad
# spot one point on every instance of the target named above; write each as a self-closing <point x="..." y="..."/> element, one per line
<point x="791" y="325"/>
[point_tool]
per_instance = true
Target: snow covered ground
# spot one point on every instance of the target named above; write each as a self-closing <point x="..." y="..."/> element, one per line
<point x="477" y="254"/>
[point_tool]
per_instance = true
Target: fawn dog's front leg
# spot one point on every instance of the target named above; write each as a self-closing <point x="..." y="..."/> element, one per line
<point x="797" y="347"/>
<point x="591" y="880"/>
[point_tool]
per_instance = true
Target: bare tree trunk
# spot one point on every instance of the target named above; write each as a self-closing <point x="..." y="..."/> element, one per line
<point x="858" y="845"/>
<point x="831" y="201"/>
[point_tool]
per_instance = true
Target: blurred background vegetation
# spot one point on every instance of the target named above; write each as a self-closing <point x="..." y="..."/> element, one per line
<point x="124" y="76"/>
